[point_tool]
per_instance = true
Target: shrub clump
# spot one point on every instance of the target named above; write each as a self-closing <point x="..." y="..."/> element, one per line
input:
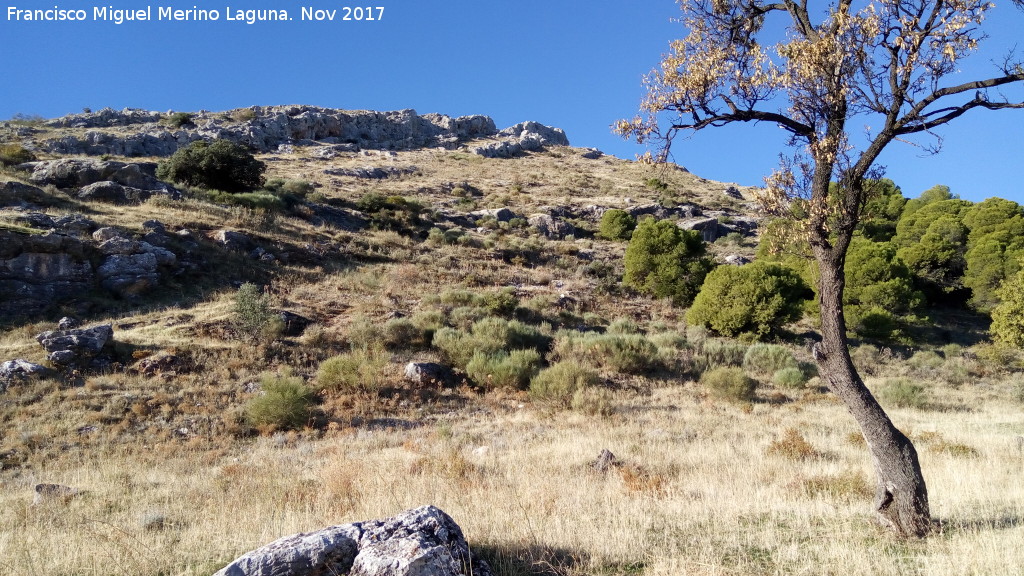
<point x="286" y="403"/>
<point x="11" y="154"/>
<point x="792" y="377"/>
<point x="562" y="381"/>
<point x="765" y="359"/>
<point x="756" y="299"/>
<point x="504" y="369"/>
<point x="616" y="225"/>
<point x="623" y="353"/>
<point x="220" y="165"/>
<point x="729" y="383"/>
<point x="487" y="336"/>
<point x="358" y="370"/>
<point x="666" y="261"/>
<point x="253" y="316"/>
<point x="903" y="393"/>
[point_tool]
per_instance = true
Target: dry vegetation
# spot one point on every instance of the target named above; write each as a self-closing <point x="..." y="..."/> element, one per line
<point x="174" y="481"/>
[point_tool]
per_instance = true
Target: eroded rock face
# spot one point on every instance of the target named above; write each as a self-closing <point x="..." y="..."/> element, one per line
<point x="420" y="542"/>
<point x="39" y="270"/>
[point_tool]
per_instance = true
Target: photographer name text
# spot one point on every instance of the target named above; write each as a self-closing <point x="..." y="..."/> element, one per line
<point x="194" y="14"/>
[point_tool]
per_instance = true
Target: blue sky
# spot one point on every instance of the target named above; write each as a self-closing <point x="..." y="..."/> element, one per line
<point x="575" y="65"/>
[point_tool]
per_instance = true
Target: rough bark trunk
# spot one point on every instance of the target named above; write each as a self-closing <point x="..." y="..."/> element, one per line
<point x="901" y="498"/>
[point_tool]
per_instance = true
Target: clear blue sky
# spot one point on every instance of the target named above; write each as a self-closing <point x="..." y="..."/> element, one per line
<point x="572" y="64"/>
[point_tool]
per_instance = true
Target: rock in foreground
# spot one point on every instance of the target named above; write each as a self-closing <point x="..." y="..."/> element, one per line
<point x="419" y="542"/>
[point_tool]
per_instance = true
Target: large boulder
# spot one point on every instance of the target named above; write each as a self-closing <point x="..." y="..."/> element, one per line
<point x="550" y="226"/>
<point x="419" y="542"/>
<point x="75" y="347"/>
<point x="76" y="173"/>
<point x="38" y="271"/>
<point x="18" y="194"/>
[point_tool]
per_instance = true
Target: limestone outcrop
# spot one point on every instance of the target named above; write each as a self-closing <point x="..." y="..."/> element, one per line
<point x="419" y="542"/>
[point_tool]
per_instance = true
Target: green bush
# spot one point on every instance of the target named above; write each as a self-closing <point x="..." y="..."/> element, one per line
<point x="220" y="165"/>
<point x="623" y="326"/>
<point x="11" y="154"/>
<point x="488" y="336"/>
<point x="666" y="261"/>
<point x="286" y="403"/>
<point x="504" y="369"/>
<point x="729" y="383"/>
<point x="616" y="225"/>
<point x="359" y="370"/>
<point x="178" y="119"/>
<point x="715" y="353"/>
<point x="562" y="381"/>
<point x="791" y="377"/>
<point x="624" y="353"/>
<point x="764" y="359"/>
<point x="253" y="316"/>
<point x="501" y="303"/>
<point x="1008" y="316"/>
<point x="903" y="393"/>
<point x="755" y="299"/>
<point x="403" y="334"/>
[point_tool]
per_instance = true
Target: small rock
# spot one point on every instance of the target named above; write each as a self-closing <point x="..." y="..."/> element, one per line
<point x="429" y="374"/>
<point x="294" y="324"/>
<point x="605" y="460"/>
<point x="19" y="369"/>
<point x="592" y="153"/>
<point x="68" y="323"/>
<point x="47" y="493"/>
<point x="233" y="240"/>
<point x="737" y="260"/>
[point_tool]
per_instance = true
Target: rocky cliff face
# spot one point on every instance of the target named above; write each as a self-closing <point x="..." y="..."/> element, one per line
<point x="265" y="128"/>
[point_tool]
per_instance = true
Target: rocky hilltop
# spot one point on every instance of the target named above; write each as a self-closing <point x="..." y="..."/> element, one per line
<point x="133" y="133"/>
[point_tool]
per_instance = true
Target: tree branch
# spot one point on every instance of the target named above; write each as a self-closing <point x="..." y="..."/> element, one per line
<point x="785" y="122"/>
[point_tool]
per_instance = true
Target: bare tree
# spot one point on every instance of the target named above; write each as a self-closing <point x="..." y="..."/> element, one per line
<point x="879" y="63"/>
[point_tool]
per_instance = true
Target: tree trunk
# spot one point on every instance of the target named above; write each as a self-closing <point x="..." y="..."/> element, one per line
<point x="901" y="498"/>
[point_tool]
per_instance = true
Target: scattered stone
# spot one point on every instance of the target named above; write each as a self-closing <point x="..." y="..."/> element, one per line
<point x="605" y="460"/>
<point x="551" y="227"/>
<point x="592" y="153"/>
<point x="160" y="364"/>
<point x="372" y="172"/>
<point x="75" y="347"/>
<point x="420" y="542"/>
<point x="429" y="374"/>
<point x="737" y="260"/>
<point x="107" y="233"/>
<point x="68" y="323"/>
<point x="234" y="240"/>
<point x="53" y="493"/>
<point x="75" y="224"/>
<point x="35" y="220"/>
<point x="732" y="192"/>
<point x="708" y="227"/>
<point x="499" y="214"/>
<point x="294" y="324"/>
<point x="18" y="370"/>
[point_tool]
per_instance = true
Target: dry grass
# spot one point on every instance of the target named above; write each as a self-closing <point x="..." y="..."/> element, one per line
<point x="697" y="493"/>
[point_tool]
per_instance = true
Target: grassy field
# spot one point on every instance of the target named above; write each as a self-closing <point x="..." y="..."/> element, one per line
<point x="173" y="480"/>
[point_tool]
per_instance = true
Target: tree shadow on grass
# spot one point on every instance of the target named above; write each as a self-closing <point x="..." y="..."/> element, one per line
<point x="541" y="560"/>
<point x="532" y="560"/>
<point x="956" y="526"/>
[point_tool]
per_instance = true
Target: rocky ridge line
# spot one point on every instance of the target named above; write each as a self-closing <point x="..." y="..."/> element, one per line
<point x="133" y="133"/>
